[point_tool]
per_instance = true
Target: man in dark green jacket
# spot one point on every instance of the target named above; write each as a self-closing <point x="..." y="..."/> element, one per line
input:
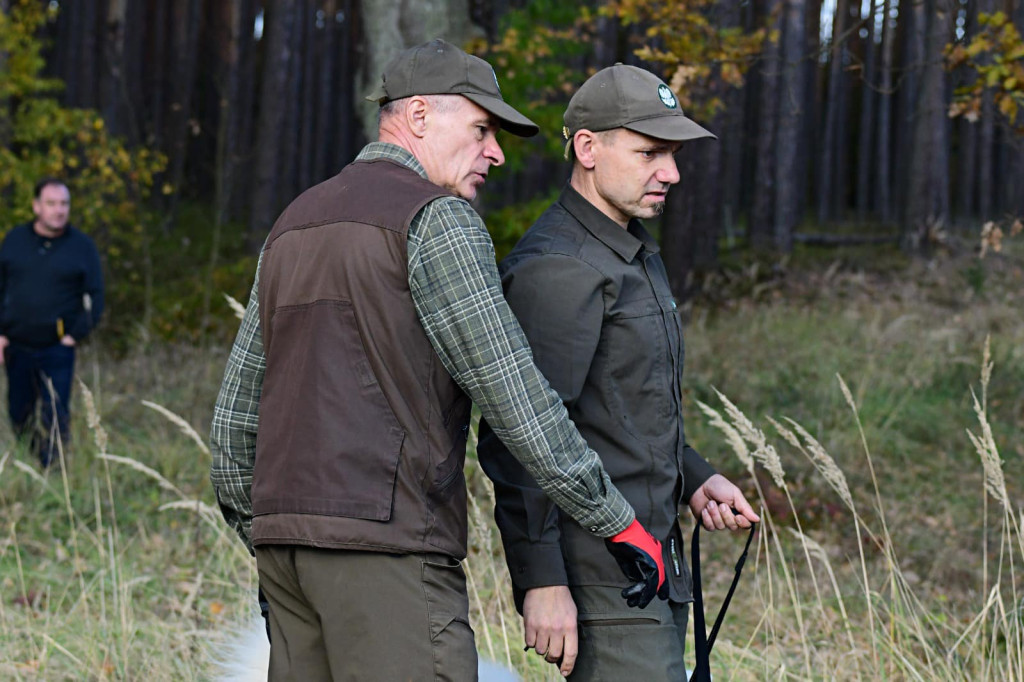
<point x="591" y="292"/>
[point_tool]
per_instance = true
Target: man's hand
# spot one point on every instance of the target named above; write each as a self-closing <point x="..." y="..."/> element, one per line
<point x="713" y="504"/>
<point x="549" y="618"/>
<point x="639" y="557"/>
<point x="67" y="340"/>
<point x="4" y="342"/>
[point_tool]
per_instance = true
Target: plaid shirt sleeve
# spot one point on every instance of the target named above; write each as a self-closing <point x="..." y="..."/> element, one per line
<point x="235" y="418"/>
<point x="457" y="293"/>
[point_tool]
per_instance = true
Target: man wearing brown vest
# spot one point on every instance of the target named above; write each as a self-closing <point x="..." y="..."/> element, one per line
<point x="339" y="433"/>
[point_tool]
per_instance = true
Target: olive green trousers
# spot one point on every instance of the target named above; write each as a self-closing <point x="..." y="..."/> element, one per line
<point x="339" y="615"/>
<point x="618" y="643"/>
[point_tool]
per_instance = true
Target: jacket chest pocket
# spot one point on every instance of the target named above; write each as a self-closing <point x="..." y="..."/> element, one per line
<point x="638" y="343"/>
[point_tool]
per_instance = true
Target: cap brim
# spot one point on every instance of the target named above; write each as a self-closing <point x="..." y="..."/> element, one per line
<point x="378" y="95"/>
<point x="511" y="120"/>
<point x="674" y="128"/>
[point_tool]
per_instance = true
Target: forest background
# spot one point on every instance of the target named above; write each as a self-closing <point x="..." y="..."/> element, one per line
<point x="858" y="216"/>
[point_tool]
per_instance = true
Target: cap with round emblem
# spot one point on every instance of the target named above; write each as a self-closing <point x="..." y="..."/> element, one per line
<point x="623" y="96"/>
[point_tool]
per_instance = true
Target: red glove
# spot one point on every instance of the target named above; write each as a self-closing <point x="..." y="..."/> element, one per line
<point x="639" y="556"/>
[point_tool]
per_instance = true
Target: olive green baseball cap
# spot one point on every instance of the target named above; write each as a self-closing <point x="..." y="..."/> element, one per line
<point x="440" y="68"/>
<point x="623" y="96"/>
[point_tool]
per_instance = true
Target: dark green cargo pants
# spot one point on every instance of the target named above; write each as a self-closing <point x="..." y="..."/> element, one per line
<point x="618" y="643"/>
<point x="366" y="616"/>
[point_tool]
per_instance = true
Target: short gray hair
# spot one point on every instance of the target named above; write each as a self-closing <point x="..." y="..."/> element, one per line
<point x="442" y="104"/>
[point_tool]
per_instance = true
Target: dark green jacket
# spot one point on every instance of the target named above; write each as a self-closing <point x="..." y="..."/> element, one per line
<point x="595" y="304"/>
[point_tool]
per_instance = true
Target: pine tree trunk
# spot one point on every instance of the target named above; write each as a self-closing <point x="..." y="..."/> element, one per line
<point x="865" y="132"/>
<point x="762" y="215"/>
<point x="390" y="26"/>
<point x="307" y="114"/>
<point x="883" y="151"/>
<point x="185" y="18"/>
<point x="280" y="24"/>
<point x="828" y="160"/>
<point x="928" y="197"/>
<point x="327" y="81"/>
<point x="788" y="197"/>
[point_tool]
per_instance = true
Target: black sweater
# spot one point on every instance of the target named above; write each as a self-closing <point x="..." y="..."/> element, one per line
<point x="44" y="280"/>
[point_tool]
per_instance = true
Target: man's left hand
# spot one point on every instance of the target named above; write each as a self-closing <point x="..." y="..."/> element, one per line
<point x="67" y="340"/>
<point x="719" y="504"/>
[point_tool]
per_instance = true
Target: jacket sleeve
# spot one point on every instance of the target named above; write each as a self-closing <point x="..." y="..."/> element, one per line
<point x="696" y="470"/>
<point x="92" y="293"/>
<point x="559" y="303"/>
<point x="457" y="293"/>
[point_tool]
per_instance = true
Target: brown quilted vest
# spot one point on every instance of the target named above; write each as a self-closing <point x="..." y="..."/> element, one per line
<point x="362" y="432"/>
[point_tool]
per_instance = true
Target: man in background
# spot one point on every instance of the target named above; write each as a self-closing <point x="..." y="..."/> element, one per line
<point x="590" y="290"/>
<point x="339" y="434"/>
<point x="51" y="297"/>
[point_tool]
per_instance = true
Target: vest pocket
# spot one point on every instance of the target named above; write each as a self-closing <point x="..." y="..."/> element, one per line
<point x="328" y="442"/>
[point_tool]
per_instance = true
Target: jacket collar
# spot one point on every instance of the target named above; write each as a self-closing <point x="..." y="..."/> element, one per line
<point x="626" y="243"/>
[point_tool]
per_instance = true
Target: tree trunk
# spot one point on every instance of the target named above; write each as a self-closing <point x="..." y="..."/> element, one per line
<point x="235" y="21"/>
<point x="788" y="197"/>
<point x="390" y="26"/>
<point x="762" y="214"/>
<point x="865" y="132"/>
<point x="307" y="113"/>
<point x="912" y="25"/>
<point x="328" y="80"/>
<point x="928" y="197"/>
<point x="883" y="154"/>
<point x="279" y="27"/>
<point x="832" y="141"/>
<point x="156" y="85"/>
<point x="112" y="71"/>
<point x="289" y="187"/>
<point x="350" y="130"/>
<point x="185" y="19"/>
<point x="986" y="144"/>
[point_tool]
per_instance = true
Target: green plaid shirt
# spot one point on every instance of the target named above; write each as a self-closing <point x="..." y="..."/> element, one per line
<point x="456" y="291"/>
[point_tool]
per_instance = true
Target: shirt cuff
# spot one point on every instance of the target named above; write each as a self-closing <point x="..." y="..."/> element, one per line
<point x="536" y="565"/>
<point x="696" y="471"/>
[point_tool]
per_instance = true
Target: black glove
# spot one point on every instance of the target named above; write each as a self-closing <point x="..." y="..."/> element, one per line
<point x="639" y="556"/>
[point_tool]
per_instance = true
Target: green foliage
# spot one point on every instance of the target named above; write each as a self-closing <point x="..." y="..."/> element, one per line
<point x="996" y="56"/>
<point x="110" y="182"/>
<point x="539" y="41"/>
<point x="536" y="45"/>
<point x="510" y="223"/>
<point x="700" y="58"/>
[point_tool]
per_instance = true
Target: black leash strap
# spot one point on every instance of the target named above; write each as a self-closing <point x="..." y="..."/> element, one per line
<point x="703" y="643"/>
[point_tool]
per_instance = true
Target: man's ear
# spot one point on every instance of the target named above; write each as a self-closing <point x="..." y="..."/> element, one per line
<point x="583" y="143"/>
<point x="416" y="110"/>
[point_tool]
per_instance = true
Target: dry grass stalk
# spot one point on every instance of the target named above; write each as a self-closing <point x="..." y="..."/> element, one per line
<point x="766" y="454"/>
<point x="763" y="452"/>
<point x="182" y="425"/>
<point x="732" y="436"/>
<point x="237" y="308"/>
<point x="92" y="417"/>
<point x="139" y="466"/>
<point x="823" y="461"/>
<point x="995" y="481"/>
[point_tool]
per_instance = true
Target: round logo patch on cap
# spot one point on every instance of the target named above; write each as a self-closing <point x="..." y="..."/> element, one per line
<point x="667" y="98"/>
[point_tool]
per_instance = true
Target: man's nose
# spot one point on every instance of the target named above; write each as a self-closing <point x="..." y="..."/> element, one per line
<point x="492" y="151"/>
<point x="668" y="173"/>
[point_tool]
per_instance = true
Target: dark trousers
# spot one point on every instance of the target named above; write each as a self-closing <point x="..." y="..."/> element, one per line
<point x="619" y="643"/>
<point x="30" y="372"/>
<point x="350" y="616"/>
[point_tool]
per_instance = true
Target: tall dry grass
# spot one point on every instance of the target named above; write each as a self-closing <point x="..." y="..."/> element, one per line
<point x="115" y="565"/>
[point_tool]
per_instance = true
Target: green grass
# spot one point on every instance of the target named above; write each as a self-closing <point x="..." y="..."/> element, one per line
<point x="101" y="580"/>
